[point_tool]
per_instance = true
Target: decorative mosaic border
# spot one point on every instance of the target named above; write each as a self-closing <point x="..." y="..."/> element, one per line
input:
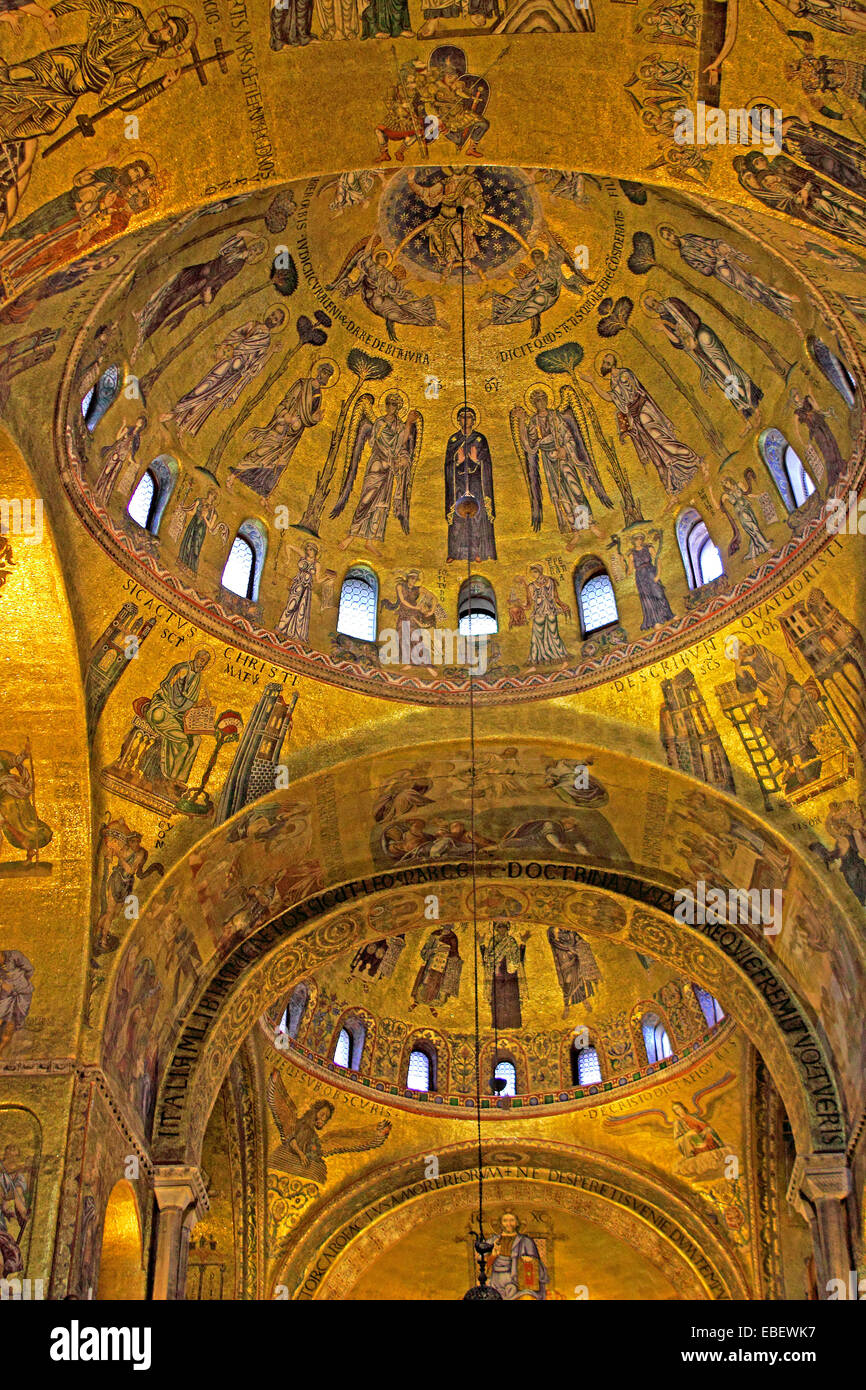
<point x="461" y="1106"/>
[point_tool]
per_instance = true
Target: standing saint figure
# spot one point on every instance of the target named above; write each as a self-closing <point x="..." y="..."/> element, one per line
<point x="16" y="994"/>
<point x="395" y="447"/>
<point x="294" y="620"/>
<point x="713" y="257"/>
<point x="735" y="499"/>
<point x="644" y="561"/>
<point x="576" y="966"/>
<point x="171" y="755"/>
<point x="546" y="647"/>
<point x="554" y="439"/>
<point x="115" y="456"/>
<point x="301" y="408"/>
<point x="245" y="352"/>
<point x="640" y="418"/>
<point x="203" y="517"/>
<point x="19" y="820"/>
<point x="687" y="332"/>
<point x="813" y="425"/>
<point x="469" y="470"/>
<point x="194" y="287"/>
<point x="504" y="975"/>
<point x="438" y="977"/>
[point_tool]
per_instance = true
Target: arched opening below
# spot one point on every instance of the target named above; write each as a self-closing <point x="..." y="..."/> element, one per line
<point x="121" y="1273"/>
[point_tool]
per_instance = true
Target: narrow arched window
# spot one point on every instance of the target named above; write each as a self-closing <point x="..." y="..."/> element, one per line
<point x="239" y="572"/>
<point x="834" y="369"/>
<point x="701" y="558"/>
<point x="476" y="608"/>
<point x="350" y="1045"/>
<point x="298" y="1000"/>
<point x="507" y="1072"/>
<point x="419" y="1072"/>
<point x="243" y="568"/>
<point x="786" y="468"/>
<point x="100" y="397"/>
<point x="657" y="1044"/>
<point x="141" y="503"/>
<point x="710" y="1006"/>
<point x="343" y="1049"/>
<point x="799" y="481"/>
<point x="359" y="601"/>
<point x="597" y="604"/>
<point x="585" y="1066"/>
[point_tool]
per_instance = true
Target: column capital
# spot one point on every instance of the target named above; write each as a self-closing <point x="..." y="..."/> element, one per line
<point x="178" y="1186"/>
<point x="819" y="1178"/>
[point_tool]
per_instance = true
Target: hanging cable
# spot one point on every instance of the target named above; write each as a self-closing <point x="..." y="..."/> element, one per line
<point x="474" y="880"/>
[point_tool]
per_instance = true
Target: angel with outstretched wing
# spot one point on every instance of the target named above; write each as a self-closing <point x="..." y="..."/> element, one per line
<point x="395" y="449"/>
<point x="303" y="1145"/>
<point x="690" y="1129"/>
<point x="369" y="270"/>
<point x="556" y="441"/>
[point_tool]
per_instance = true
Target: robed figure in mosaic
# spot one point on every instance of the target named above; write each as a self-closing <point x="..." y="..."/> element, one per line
<point x="395" y="448"/>
<point x="469" y="471"/>
<point x="114" y="61"/>
<point x="551" y="441"/>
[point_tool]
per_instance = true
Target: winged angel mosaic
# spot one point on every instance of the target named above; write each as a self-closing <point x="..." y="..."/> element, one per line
<point x="304" y="1145"/>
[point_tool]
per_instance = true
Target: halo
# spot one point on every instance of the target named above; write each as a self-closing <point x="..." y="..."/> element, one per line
<point x="165" y="12"/>
<point x="600" y="356"/>
<point x="643" y="299"/>
<point x="457" y="409"/>
<point x="326" y="361"/>
<point x="394" y="391"/>
<point x="530" y="390"/>
<point x="255" y="250"/>
<point x="277" y="309"/>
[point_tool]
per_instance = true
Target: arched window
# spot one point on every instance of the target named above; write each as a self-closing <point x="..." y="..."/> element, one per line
<point x="701" y="559"/>
<point x="596" y="602"/>
<point x="350" y="1045"/>
<point x="657" y="1044"/>
<point x="100" y="397"/>
<point x="343" y="1050"/>
<point x="359" y="601"/>
<point x="243" y="568"/>
<point x="834" y="369"/>
<point x="298" y="1000"/>
<point x="786" y="468"/>
<point x="421" y="1072"/>
<point x="141" y="502"/>
<point x="710" y="1006"/>
<point x="476" y="608"/>
<point x="585" y="1067"/>
<point x="507" y="1072"/>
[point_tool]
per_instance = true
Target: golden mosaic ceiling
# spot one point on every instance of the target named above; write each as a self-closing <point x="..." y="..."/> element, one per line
<point x="235" y="250"/>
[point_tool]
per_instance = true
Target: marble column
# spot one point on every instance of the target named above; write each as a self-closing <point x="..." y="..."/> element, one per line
<point x="819" y="1188"/>
<point x="181" y="1198"/>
